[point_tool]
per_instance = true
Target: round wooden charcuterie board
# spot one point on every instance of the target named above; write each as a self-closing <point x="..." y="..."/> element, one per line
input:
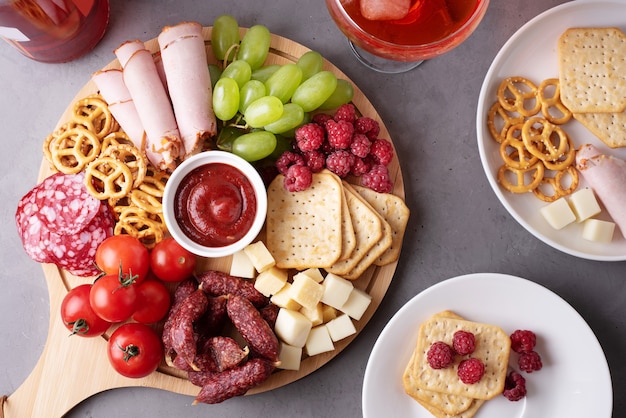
<point x="61" y="379"/>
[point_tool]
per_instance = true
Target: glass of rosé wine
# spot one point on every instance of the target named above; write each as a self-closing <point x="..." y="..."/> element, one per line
<point x="394" y="36"/>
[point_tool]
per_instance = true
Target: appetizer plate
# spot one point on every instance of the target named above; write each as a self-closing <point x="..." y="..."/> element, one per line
<point x="45" y="393"/>
<point x="574" y="381"/>
<point x="532" y="53"/>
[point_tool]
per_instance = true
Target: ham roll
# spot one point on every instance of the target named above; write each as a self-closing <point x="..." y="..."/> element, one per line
<point x="151" y="100"/>
<point x="184" y="58"/>
<point x="606" y="175"/>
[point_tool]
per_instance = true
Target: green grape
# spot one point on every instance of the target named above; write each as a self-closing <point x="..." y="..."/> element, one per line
<point x="315" y="91"/>
<point x="284" y="82"/>
<point x="255" y="46"/>
<point x="311" y="62"/>
<point x="227" y="136"/>
<point x="226" y="98"/>
<point x="224" y="35"/>
<point x="263" y="111"/>
<point x="291" y="133"/>
<point x="238" y="70"/>
<point x="255" y="145"/>
<point x="250" y="91"/>
<point x="214" y="72"/>
<point x="343" y="94"/>
<point x="292" y="116"/>
<point x="265" y="72"/>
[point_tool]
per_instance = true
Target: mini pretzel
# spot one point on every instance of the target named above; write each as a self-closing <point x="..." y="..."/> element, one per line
<point x="546" y="141"/>
<point x="108" y="179"/>
<point x="515" y="155"/>
<point x="555" y="185"/>
<point x="116" y="138"/>
<point x="130" y="156"/>
<point x="93" y="113"/>
<point x="145" y="230"/>
<point x="154" y="182"/>
<point x="146" y="202"/>
<point x="521" y="183"/>
<point x="497" y="115"/>
<point x="518" y="94"/>
<point x="551" y="106"/>
<point x="73" y="149"/>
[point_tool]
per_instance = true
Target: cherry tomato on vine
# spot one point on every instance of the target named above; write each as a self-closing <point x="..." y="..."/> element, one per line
<point x="153" y="302"/>
<point x="126" y="251"/>
<point x="170" y="262"/>
<point x="114" y="297"/>
<point x="78" y="316"/>
<point x="134" y="350"/>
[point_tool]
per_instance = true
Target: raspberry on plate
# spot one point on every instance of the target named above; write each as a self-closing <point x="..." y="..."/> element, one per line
<point x="287" y="159"/>
<point x="360" y="145"/>
<point x="378" y="179"/>
<point x="514" y="387"/>
<point x="382" y="150"/>
<point x="345" y="112"/>
<point x="523" y="340"/>
<point x="368" y="126"/>
<point x="470" y="370"/>
<point x="298" y="178"/>
<point x="339" y="134"/>
<point x="463" y="342"/>
<point x="529" y="361"/>
<point x="340" y="162"/>
<point x="309" y="137"/>
<point x="440" y="355"/>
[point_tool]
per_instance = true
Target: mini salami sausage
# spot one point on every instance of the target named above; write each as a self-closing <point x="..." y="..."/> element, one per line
<point x="226" y="352"/>
<point x="182" y="336"/>
<point x="270" y="312"/>
<point x="216" y="283"/>
<point x="200" y="378"/>
<point x="252" y="327"/>
<point x="183" y="290"/>
<point x="235" y="382"/>
<point x="213" y="321"/>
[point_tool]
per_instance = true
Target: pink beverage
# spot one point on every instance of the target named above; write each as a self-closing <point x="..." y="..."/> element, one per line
<point x="53" y="30"/>
<point x="428" y="29"/>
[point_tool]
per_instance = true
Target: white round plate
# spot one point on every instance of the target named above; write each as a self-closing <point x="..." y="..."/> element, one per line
<point x="532" y="53"/>
<point x="574" y="382"/>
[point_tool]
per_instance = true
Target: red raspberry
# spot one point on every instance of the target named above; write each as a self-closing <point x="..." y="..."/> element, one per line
<point x="360" y="145"/>
<point x="309" y="137"/>
<point x="339" y="134"/>
<point x="463" y="342"/>
<point x="523" y="340"/>
<point x="298" y="178"/>
<point x="315" y="160"/>
<point x="321" y="119"/>
<point x="514" y="387"/>
<point x="368" y="126"/>
<point x="470" y="370"/>
<point x="440" y="355"/>
<point x="378" y="179"/>
<point x="340" y="162"/>
<point x="286" y="160"/>
<point x="382" y="150"/>
<point x="345" y="112"/>
<point x="529" y="361"/>
<point x="360" y="167"/>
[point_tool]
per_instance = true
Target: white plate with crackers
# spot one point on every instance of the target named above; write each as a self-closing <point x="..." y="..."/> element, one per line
<point x="533" y="53"/>
<point x="574" y="381"/>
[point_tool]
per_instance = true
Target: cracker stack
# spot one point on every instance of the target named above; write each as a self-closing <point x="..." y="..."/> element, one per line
<point x="592" y="72"/>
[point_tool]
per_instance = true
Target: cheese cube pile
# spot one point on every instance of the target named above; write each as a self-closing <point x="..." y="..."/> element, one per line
<point x="315" y="310"/>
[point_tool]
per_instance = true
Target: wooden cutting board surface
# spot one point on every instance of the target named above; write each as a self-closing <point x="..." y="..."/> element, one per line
<point x="73" y="369"/>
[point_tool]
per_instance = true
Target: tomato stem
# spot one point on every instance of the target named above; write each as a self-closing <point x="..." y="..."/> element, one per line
<point x="129" y="352"/>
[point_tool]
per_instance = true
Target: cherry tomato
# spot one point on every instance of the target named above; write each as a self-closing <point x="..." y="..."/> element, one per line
<point x="170" y="262"/>
<point x="125" y="251"/>
<point x="78" y="316"/>
<point x="113" y="297"/>
<point x="134" y="350"/>
<point x="153" y="302"/>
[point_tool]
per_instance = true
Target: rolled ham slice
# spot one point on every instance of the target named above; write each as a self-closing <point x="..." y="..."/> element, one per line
<point x="152" y="103"/>
<point x="606" y="175"/>
<point x="184" y="58"/>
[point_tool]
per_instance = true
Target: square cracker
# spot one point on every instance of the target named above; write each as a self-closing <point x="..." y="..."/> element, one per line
<point x="393" y="210"/>
<point x="610" y="128"/>
<point x="493" y="347"/>
<point x="303" y="229"/>
<point x="592" y="70"/>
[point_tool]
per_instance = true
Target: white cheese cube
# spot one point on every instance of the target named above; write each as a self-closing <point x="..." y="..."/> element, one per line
<point x="315" y="315"/>
<point x="340" y="327"/>
<point x="584" y="204"/>
<point x="292" y="327"/>
<point x="314" y="273"/>
<point x="270" y="281"/>
<point x="241" y="266"/>
<point x="336" y="290"/>
<point x="357" y="304"/>
<point x="598" y="231"/>
<point x="283" y="299"/>
<point x="319" y="341"/>
<point x="328" y="313"/>
<point x="558" y="213"/>
<point x="306" y="291"/>
<point x="289" y="357"/>
<point x="260" y="256"/>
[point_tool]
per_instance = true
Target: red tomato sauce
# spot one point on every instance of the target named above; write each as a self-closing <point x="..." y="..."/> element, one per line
<point x="215" y="205"/>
